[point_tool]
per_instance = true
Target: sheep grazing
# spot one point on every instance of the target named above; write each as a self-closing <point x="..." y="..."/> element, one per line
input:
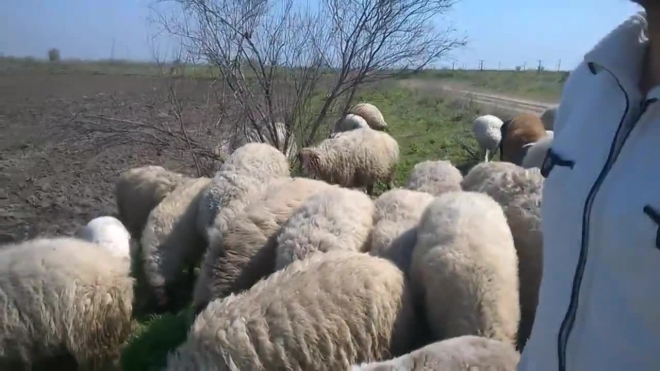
<point x="337" y="218"/>
<point x="518" y="134"/>
<point x="548" y="118"/>
<point x="171" y="240"/>
<point x="435" y="178"/>
<point x="486" y="130"/>
<point x="240" y="179"/>
<point x="465" y="270"/>
<point x="395" y="225"/>
<point x="247" y="249"/>
<point x="519" y="192"/>
<point x="139" y="190"/>
<point x="325" y="312"/>
<point x="59" y="297"/>
<point x="536" y="153"/>
<point x="350" y="122"/>
<point x="457" y="354"/>
<point x="108" y="232"/>
<point x="356" y="159"/>
<point x="371" y="114"/>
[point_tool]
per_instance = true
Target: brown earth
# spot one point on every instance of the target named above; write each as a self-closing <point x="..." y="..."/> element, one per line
<point x="52" y="179"/>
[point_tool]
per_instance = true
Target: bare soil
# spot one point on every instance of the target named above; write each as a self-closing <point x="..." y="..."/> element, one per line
<point x="51" y="179"/>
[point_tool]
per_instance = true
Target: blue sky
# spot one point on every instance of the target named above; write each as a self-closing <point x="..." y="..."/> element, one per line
<point x="501" y="32"/>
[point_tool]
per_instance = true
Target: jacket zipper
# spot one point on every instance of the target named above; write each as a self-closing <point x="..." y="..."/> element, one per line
<point x="569" y="318"/>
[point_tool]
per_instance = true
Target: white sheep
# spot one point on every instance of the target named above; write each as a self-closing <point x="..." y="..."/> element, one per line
<point x="486" y="130"/>
<point x="349" y="122"/>
<point x="465" y="269"/>
<point x="435" y="178"/>
<point x="325" y="312"/>
<point x="249" y="134"/>
<point x="337" y="218"/>
<point x="548" y="117"/>
<point x="536" y="153"/>
<point x="63" y="296"/>
<point x="240" y="179"/>
<point x="371" y="114"/>
<point x="355" y="159"/>
<point x="110" y="233"/>
<point x="395" y="225"/>
<point x="519" y="193"/>
<point x="456" y="354"/>
<point x="246" y="251"/>
<point x="171" y="240"/>
<point x="139" y="190"/>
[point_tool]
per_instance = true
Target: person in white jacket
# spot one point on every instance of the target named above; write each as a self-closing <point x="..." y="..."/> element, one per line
<point x="599" y="301"/>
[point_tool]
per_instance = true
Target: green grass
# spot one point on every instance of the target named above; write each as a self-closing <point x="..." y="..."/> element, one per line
<point x="426" y="127"/>
<point x="544" y="86"/>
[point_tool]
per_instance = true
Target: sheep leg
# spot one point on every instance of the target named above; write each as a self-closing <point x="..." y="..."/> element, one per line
<point x="370" y="189"/>
<point x="486" y="157"/>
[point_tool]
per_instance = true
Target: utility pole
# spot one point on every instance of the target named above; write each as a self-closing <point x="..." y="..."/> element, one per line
<point x="481" y="65"/>
<point x="452" y="65"/>
<point x="559" y="66"/>
<point x="539" y="67"/>
<point x="499" y="65"/>
<point x="112" y="50"/>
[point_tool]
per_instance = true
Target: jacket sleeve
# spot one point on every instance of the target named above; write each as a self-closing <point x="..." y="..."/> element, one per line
<point x="570" y="96"/>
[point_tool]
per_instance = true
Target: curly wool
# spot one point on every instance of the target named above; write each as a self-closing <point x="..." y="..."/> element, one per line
<point x="371" y="114"/>
<point x="465" y="268"/>
<point x="519" y="193"/>
<point x="536" y="153"/>
<point x="246" y="251"/>
<point x="517" y="136"/>
<point x="140" y="190"/>
<point x="335" y="219"/>
<point x="435" y="178"/>
<point x="354" y="159"/>
<point x="322" y="313"/>
<point x="548" y="118"/>
<point x="395" y="225"/>
<point x="59" y="296"/>
<point x="109" y="233"/>
<point x="171" y="240"/>
<point x="240" y="179"/>
<point x="487" y="132"/>
<point x="456" y="354"/>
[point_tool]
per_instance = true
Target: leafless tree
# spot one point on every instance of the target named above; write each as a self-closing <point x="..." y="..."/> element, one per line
<point x="285" y="61"/>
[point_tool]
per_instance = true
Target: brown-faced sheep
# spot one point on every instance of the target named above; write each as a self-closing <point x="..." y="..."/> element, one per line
<point x="355" y="159"/>
<point x="171" y="240"/>
<point x="519" y="192"/>
<point x="246" y="251"/>
<point x="371" y="114"/>
<point x="140" y="190"/>
<point x="240" y="180"/>
<point x="465" y="270"/>
<point x="518" y="134"/>
<point x="337" y="218"/>
<point x="464" y="353"/>
<point x="395" y="225"/>
<point x="63" y="296"/>
<point x="435" y="178"/>
<point x="325" y="312"/>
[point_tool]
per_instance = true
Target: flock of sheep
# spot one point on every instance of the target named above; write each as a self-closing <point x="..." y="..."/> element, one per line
<point x="300" y="273"/>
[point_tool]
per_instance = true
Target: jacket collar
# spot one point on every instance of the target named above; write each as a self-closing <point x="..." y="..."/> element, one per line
<point x="622" y="52"/>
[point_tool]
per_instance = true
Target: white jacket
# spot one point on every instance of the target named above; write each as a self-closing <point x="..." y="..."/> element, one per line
<point x="599" y="302"/>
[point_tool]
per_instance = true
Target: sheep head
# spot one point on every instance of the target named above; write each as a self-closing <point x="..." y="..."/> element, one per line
<point x="309" y="159"/>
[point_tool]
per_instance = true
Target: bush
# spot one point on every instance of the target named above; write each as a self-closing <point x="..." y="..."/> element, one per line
<point x="54" y="55"/>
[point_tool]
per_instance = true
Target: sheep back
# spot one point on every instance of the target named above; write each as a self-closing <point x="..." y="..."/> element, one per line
<point x="139" y="190"/>
<point x="395" y="225"/>
<point x="371" y="114"/>
<point x="337" y="218"/>
<point x="171" y="240"/>
<point x="63" y="295"/>
<point x="517" y="133"/>
<point x="350" y="122"/>
<point x="354" y="159"/>
<point x="435" y="178"/>
<point x="464" y="268"/>
<point x="325" y="312"/>
<point x="109" y="233"/>
<point x="487" y="131"/>
<point x="456" y="354"/>
<point x="247" y="249"/>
